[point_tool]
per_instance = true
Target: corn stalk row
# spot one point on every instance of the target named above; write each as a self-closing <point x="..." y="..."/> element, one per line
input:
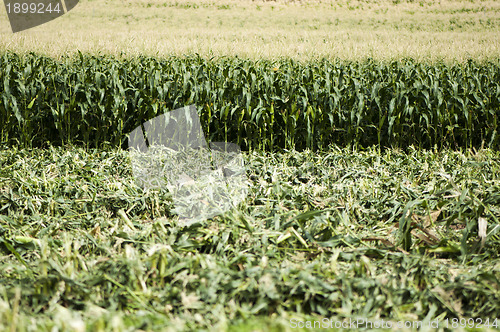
<point x="96" y="101"/>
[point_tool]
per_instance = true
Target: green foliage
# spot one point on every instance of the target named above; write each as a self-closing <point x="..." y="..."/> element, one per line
<point x="338" y="234"/>
<point x="96" y="101"/>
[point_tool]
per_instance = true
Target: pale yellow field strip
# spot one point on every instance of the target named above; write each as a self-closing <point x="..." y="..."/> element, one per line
<point x="384" y="30"/>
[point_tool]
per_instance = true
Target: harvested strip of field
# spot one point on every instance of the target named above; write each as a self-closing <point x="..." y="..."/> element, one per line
<point x="343" y="234"/>
<point x="97" y="101"/>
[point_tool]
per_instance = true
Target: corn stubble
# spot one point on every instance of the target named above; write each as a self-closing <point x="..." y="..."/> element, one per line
<point x="340" y="234"/>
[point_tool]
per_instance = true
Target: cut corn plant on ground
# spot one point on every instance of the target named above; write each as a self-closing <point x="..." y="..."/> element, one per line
<point x="342" y="234"/>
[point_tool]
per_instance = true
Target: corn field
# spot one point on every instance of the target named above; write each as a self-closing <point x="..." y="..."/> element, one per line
<point x="372" y="190"/>
<point x="95" y="101"/>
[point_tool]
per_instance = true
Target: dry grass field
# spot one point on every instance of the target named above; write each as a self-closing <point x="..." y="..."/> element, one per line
<point x="447" y="30"/>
